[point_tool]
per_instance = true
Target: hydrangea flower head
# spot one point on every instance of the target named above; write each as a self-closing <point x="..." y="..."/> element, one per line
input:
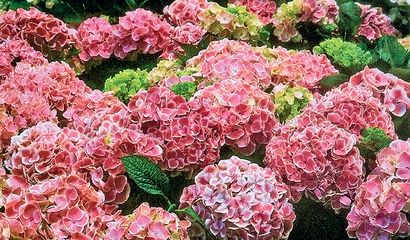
<point x="374" y="24"/>
<point x="238" y="199"/>
<point x="264" y="9"/>
<point x="181" y="12"/>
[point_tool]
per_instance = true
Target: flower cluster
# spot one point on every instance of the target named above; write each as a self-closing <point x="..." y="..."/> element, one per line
<point x="188" y="34"/>
<point x="317" y="158"/>
<point x="290" y="14"/>
<point x="393" y="92"/>
<point x="44" y="32"/>
<point x="185" y="89"/>
<point x="148" y="223"/>
<point x="141" y="31"/>
<point x="405" y="42"/>
<point x="15" y="51"/>
<point x="301" y="68"/>
<point x="401" y="2"/>
<point x="264" y="9"/>
<point x="190" y="135"/>
<point x="290" y="101"/>
<point x="231" y="22"/>
<point x="228" y="59"/>
<point x="381" y="204"/>
<point x="245" y="111"/>
<point x="95" y="39"/>
<point x="181" y="12"/>
<point x="127" y="83"/>
<point x="240" y="200"/>
<point x="345" y="54"/>
<point x="164" y="69"/>
<point x="374" y="23"/>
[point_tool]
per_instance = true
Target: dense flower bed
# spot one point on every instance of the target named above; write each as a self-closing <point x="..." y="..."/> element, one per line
<point x="304" y="100"/>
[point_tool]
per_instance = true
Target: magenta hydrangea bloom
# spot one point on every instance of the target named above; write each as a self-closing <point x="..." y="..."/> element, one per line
<point x="264" y="9"/>
<point x="374" y="23"/>
<point x="315" y="157"/>
<point x="228" y="59"/>
<point x="42" y="31"/>
<point x="53" y="209"/>
<point x="181" y="12"/>
<point x="381" y="204"/>
<point x="191" y="136"/>
<point x="148" y="223"/>
<point x="94" y="39"/>
<point x="393" y="92"/>
<point x="238" y="199"/>
<point x="245" y="111"/>
<point x="141" y="31"/>
<point x="14" y="51"/>
<point x="301" y="68"/>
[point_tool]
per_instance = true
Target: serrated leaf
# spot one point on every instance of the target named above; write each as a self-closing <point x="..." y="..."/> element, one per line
<point x="148" y="176"/>
<point x="391" y="51"/>
<point x="131" y="4"/>
<point x="349" y="18"/>
<point x="334" y="80"/>
<point x="14" y="5"/>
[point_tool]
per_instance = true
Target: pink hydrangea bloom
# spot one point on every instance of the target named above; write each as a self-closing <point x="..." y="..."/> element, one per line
<point x="374" y="24"/>
<point x="393" y="92"/>
<point x="53" y="209"/>
<point x="148" y="223"/>
<point x="188" y="34"/>
<point x="14" y="51"/>
<point x="95" y="39"/>
<point x="141" y="31"/>
<point x="315" y="157"/>
<point x="238" y="199"/>
<point x="42" y="31"/>
<point x="245" y="111"/>
<point x="301" y="68"/>
<point x="381" y="204"/>
<point x="181" y="12"/>
<point x="190" y="134"/>
<point x="325" y="11"/>
<point x="264" y="9"/>
<point x="228" y="59"/>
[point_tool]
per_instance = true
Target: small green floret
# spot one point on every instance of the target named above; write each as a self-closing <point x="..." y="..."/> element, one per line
<point x="127" y="83"/>
<point x="185" y="89"/>
<point x="290" y="101"/>
<point x="345" y="54"/>
<point x="372" y="141"/>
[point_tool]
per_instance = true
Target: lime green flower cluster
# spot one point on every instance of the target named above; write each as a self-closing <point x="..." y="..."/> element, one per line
<point x="345" y="54"/>
<point x="233" y="22"/>
<point x="48" y="3"/>
<point x="290" y="101"/>
<point x="164" y="69"/>
<point x="185" y="89"/>
<point x="127" y="83"/>
<point x="372" y="141"/>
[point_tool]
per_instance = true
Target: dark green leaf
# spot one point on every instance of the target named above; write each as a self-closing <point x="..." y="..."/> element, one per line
<point x="349" y="19"/>
<point x="131" y="4"/>
<point x="19" y="4"/>
<point x="334" y="80"/>
<point x="146" y="175"/>
<point x="391" y="51"/>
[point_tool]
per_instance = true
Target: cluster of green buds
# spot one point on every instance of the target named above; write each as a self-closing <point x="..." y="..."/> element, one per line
<point x="48" y="3"/>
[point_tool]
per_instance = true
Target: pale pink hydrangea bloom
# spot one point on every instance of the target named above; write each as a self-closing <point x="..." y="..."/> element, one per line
<point x="188" y="34"/>
<point x="393" y="92"/>
<point x="245" y="111"/>
<point x="238" y="199"/>
<point x="324" y="11"/>
<point x="141" y="31"/>
<point x="190" y="134"/>
<point x="94" y="39"/>
<point x="264" y="9"/>
<point x="15" y="51"/>
<point x="42" y="31"/>
<point x="315" y="157"/>
<point x="301" y="68"/>
<point x="228" y="59"/>
<point x="374" y="24"/>
<point x="181" y="12"/>
<point x="381" y="204"/>
<point x="148" y="223"/>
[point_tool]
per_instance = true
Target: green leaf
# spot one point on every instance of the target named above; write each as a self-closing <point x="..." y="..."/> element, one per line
<point x="349" y="18"/>
<point x="146" y="175"/>
<point x="19" y="4"/>
<point x="391" y="51"/>
<point x="131" y="4"/>
<point x="334" y="80"/>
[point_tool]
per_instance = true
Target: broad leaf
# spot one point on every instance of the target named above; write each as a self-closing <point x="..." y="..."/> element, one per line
<point x="391" y="51"/>
<point x="146" y="175"/>
<point x="333" y="80"/>
<point x="349" y="19"/>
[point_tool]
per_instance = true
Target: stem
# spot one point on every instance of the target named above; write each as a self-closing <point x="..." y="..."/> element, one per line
<point x="72" y="9"/>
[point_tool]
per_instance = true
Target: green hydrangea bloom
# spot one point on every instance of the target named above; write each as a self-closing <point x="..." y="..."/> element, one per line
<point x="290" y="101"/>
<point x="185" y="89"/>
<point x="127" y="83"/>
<point x="232" y="22"/>
<point x="286" y="18"/>
<point x="372" y="141"/>
<point x="345" y="54"/>
<point x="164" y="69"/>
